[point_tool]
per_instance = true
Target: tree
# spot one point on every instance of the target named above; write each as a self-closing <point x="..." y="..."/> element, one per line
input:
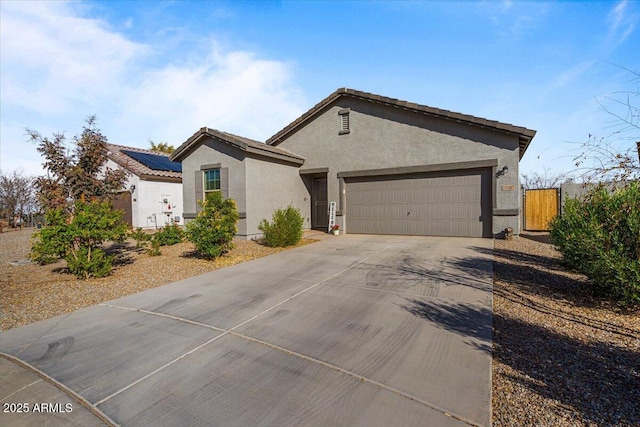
<point x="17" y="198"/>
<point x="78" y="173"/>
<point x="77" y="237"/>
<point x="76" y="229"/>
<point x="547" y="179"/>
<point x="615" y="157"/>
<point x="162" y="147"/>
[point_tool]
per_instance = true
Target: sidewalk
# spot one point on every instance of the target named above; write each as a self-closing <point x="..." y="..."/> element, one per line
<point x="28" y="399"/>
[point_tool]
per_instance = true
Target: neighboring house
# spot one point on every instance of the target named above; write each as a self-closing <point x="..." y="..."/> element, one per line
<point x="153" y="195"/>
<point x="391" y="166"/>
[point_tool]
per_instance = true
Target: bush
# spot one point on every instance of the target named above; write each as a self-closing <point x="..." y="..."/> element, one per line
<point x="140" y="237"/>
<point x="169" y="235"/>
<point x="49" y="244"/>
<point x="599" y="235"/>
<point x="153" y="248"/>
<point x="213" y="230"/>
<point x="76" y="237"/>
<point x="286" y="228"/>
<point x="88" y="262"/>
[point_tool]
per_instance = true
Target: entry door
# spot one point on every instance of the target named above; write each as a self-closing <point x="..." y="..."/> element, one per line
<point x="320" y="217"/>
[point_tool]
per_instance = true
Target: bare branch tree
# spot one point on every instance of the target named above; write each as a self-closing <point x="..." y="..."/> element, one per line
<point x="615" y="157"/>
<point x="17" y="198"/>
<point x="547" y="179"/>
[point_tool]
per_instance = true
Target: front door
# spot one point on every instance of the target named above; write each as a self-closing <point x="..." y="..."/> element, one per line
<point x="320" y="213"/>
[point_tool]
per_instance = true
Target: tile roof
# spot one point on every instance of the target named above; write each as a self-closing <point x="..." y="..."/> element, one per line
<point x="244" y="144"/>
<point x="524" y="135"/>
<point x="137" y="168"/>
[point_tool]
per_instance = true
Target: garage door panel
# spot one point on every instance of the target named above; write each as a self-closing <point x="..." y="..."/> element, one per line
<point x="455" y="203"/>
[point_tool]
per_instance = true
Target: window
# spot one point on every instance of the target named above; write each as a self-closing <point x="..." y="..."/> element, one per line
<point x="211" y="181"/>
<point x="344" y="121"/>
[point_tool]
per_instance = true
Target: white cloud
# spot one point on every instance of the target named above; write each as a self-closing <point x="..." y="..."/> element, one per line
<point x="52" y="58"/>
<point x="512" y="21"/>
<point x="569" y="76"/>
<point x="622" y="21"/>
<point x="230" y="91"/>
<point x="59" y="65"/>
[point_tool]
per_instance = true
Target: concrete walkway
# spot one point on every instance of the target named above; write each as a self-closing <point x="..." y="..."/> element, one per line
<point x="352" y="330"/>
<point x="31" y="398"/>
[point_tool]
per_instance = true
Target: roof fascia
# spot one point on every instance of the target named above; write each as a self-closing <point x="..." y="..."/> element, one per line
<point x="524" y="135"/>
<point x="240" y="145"/>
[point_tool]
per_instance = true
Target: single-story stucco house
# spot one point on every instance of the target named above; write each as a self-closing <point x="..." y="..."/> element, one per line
<point x="390" y="166"/>
<point x="153" y="195"/>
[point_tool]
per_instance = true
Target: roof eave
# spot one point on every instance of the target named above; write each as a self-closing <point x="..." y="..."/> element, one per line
<point x="308" y="115"/>
<point x="294" y="160"/>
<point x="523" y="133"/>
<point x="524" y="142"/>
<point x="157" y="178"/>
<point x="182" y="151"/>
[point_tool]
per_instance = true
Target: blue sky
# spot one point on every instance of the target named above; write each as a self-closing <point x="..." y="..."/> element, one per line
<point x="161" y="70"/>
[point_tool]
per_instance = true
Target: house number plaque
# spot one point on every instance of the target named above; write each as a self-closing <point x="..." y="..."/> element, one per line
<point x="332" y="215"/>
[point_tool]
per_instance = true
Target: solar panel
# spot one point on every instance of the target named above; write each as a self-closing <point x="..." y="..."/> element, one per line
<point x="154" y="161"/>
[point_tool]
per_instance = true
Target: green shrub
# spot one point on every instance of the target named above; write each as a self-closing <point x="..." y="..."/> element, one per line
<point x="88" y="262"/>
<point x="169" y="235"/>
<point x="599" y="235"/>
<point x="140" y="237"/>
<point x="153" y="248"/>
<point x="285" y="228"/>
<point x="50" y="243"/>
<point x="76" y="237"/>
<point x="213" y="230"/>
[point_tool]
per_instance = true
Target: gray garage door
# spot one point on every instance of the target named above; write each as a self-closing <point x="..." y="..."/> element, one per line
<point x="453" y="203"/>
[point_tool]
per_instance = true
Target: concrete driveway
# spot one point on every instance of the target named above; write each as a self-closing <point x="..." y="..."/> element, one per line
<point x="352" y="330"/>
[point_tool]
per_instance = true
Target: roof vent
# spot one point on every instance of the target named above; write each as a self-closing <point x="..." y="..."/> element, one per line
<point x="344" y="121"/>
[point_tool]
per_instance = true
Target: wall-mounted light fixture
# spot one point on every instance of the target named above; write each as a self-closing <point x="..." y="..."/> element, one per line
<point x="503" y="171"/>
<point x="132" y="189"/>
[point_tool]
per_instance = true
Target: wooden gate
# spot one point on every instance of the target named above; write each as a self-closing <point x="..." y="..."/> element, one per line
<point x="122" y="201"/>
<point x="540" y="207"/>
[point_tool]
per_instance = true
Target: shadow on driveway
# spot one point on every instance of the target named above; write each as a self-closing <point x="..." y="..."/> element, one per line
<point x="467" y="320"/>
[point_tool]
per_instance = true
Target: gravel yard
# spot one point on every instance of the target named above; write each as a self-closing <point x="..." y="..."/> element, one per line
<point x="560" y="359"/>
<point x="30" y="292"/>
